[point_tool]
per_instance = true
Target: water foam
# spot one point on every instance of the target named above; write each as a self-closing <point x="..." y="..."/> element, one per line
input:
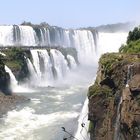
<point x="19" y="124"/>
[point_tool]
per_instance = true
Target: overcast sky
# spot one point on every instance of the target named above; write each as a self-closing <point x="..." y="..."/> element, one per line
<point x="69" y="13"/>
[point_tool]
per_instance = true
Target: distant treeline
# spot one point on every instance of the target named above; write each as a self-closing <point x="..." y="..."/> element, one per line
<point x="133" y="42"/>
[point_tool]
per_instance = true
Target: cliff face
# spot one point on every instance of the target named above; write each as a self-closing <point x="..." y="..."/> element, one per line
<point x="15" y="59"/>
<point x="114" y="99"/>
<point x="7" y="102"/>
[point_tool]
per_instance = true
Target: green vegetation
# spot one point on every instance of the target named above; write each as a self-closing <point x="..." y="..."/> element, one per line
<point x="110" y="74"/>
<point x="131" y="47"/>
<point x="15" y="60"/>
<point x="134" y="35"/>
<point x="99" y="90"/>
<point x="133" y="42"/>
<point x="91" y="126"/>
<point x="15" y="57"/>
<point x="108" y="60"/>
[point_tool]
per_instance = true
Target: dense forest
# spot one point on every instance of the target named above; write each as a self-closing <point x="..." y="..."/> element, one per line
<point x="133" y="42"/>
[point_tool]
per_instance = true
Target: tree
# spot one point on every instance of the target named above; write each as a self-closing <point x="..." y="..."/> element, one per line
<point x="133" y="35"/>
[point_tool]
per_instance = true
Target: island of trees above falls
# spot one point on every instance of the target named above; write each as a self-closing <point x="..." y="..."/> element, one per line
<point x="114" y="99"/>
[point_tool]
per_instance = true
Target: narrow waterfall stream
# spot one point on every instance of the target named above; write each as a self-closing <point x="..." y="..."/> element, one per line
<point x="117" y="124"/>
<point x="82" y="131"/>
<point x="13" y="81"/>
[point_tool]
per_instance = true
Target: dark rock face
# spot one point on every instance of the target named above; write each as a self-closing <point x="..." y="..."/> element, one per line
<point x="130" y="110"/>
<point x="8" y="101"/>
<point x="15" y="60"/>
<point x="4" y="84"/>
<point x="134" y="84"/>
<point x="113" y="83"/>
<point x="130" y="116"/>
<point x="4" y="78"/>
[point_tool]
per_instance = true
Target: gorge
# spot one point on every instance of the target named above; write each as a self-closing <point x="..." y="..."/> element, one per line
<point x="53" y="67"/>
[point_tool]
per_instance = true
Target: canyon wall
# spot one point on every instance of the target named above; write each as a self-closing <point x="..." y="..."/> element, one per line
<point x="114" y="98"/>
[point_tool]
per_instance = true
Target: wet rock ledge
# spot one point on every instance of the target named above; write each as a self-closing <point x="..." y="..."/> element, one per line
<point x="114" y="99"/>
<point x="9" y="102"/>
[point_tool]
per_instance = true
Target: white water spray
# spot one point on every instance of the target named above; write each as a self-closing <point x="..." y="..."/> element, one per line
<point x="71" y="61"/>
<point x="83" y="123"/>
<point x="6" y="35"/>
<point x="33" y="74"/>
<point x="110" y="42"/>
<point x="59" y="62"/>
<point x="47" y="75"/>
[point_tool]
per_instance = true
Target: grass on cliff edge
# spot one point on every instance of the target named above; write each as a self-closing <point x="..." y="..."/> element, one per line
<point x="109" y="63"/>
<point x="109" y="60"/>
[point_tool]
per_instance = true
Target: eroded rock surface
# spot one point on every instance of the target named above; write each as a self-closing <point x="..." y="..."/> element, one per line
<point x="114" y="99"/>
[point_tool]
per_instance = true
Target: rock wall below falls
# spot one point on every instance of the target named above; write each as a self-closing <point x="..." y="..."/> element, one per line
<point x="114" y="99"/>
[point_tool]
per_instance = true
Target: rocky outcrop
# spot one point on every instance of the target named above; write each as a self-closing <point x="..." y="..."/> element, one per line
<point x="130" y="109"/>
<point x="9" y="102"/>
<point x="114" y="99"/>
<point x="14" y="58"/>
<point x="4" y="78"/>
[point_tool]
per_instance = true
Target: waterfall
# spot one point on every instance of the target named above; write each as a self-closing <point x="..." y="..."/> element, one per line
<point x="110" y="42"/>
<point x="13" y="81"/>
<point x="42" y="37"/>
<point x="6" y="35"/>
<point x="48" y="66"/>
<point x="36" y="62"/>
<point x="45" y="37"/>
<point x="117" y="124"/>
<point x="16" y="35"/>
<point x="59" y="63"/>
<point x="33" y="74"/>
<point x="82" y="131"/>
<point x="85" y="46"/>
<point x="71" y="61"/>
<point x="28" y="36"/>
<point x="84" y="41"/>
<point x="47" y="74"/>
<point x="129" y="74"/>
<point x="88" y="43"/>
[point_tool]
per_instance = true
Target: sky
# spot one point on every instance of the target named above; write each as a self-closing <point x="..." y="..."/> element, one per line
<point x="69" y="13"/>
